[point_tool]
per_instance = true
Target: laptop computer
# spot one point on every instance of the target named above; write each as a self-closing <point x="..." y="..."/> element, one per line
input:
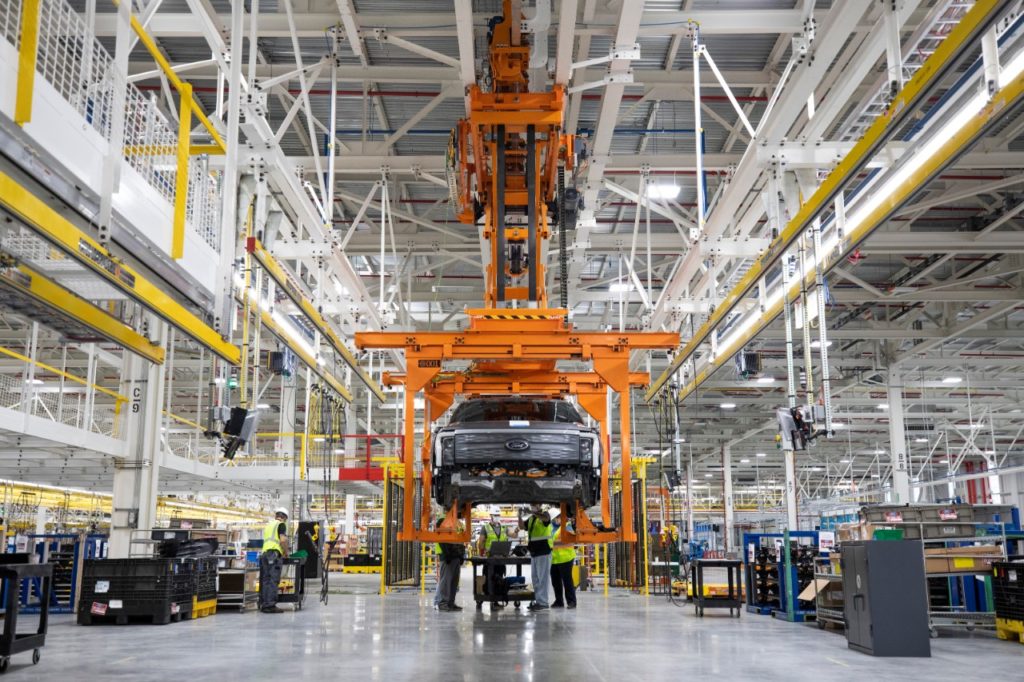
<point x="499" y="548"/>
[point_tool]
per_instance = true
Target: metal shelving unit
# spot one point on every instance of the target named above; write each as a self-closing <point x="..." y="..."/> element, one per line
<point x="827" y="607"/>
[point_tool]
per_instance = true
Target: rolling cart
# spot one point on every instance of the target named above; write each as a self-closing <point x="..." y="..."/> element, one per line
<point x="11" y="642"/>
<point x="731" y="600"/>
<point x="294" y="570"/>
<point x="480" y="590"/>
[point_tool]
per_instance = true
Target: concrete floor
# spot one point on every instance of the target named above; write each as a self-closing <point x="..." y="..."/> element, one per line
<point x="400" y="637"/>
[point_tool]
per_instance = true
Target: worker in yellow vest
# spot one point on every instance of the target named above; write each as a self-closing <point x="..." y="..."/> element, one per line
<point x="275" y="546"/>
<point x="563" y="556"/>
<point x="494" y="574"/>
<point x="538" y="528"/>
<point x="449" y="564"/>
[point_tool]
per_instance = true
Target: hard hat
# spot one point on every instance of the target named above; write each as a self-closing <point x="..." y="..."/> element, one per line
<point x="281" y="510"/>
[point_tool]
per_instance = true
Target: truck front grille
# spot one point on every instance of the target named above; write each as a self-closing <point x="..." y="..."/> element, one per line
<point x="483" y="447"/>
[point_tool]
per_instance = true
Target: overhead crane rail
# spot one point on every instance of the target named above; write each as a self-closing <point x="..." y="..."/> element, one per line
<point x="96" y="258"/>
<point x="276" y="272"/>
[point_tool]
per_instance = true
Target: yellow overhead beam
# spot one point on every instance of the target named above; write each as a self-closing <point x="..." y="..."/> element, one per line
<point x="982" y="15"/>
<point x="30" y="283"/>
<point x="284" y="337"/>
<point x="1003" y="101"/>
<point x="37" y="215"/>
<point x="273" y="268"/>
<point x="28" y="47"/>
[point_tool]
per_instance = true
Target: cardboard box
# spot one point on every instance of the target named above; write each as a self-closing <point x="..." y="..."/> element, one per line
<point x="973" y="559"/>
<point x="479" y="584"/>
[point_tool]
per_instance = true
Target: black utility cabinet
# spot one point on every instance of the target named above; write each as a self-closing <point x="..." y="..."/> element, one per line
<point x="885" y="598"/>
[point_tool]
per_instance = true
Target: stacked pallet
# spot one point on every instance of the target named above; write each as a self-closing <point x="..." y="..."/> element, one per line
<point x="154" y="590"/>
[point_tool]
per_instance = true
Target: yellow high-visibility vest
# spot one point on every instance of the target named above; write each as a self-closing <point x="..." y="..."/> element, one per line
<point x="270" y="537"/>
<point x="561" y="555"/>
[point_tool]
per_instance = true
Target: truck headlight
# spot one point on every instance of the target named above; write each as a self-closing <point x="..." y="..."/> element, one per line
<point x="590" y="450"/>
<point x="448" y="449"/>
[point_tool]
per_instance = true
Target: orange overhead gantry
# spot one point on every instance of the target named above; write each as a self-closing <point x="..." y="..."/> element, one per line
<point x="506" y="161"/>
<point x="519" y="350"/>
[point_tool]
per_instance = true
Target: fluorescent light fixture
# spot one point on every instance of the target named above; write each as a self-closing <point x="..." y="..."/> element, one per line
<point x="318" y="439"/>
<point x="263" y="406"/>
<point x="844" y="461"/>
<point x="817" y="344"/>
<point x="976" y="426"/>
<point x="952" y="380"/>
<point x="920" y="440"/>
<point x="838" y="425"/>
<point x="620" y="287"/>
<point x="875" y="476"/>
<point x="882" y="406"/>
<point x="815" y="468"/>
<point x="663" y="190"/>
<point x="339" y="451"/>
<point x="766" y="380"/>
<point x="989" y="452"/>
<point x="707" y="475"/>
<point x="744" y="461"/>
<point x="728" y="406"/>
<point x="879" y="452"/>
<point x="34" y="382"/>
<point x="761" y="454"/>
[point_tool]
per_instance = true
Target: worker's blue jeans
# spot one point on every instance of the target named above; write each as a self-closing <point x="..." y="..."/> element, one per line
<point x="540" y="576"/>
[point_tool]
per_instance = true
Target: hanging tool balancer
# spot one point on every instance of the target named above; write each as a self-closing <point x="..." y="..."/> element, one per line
<point x="503" y="165"/>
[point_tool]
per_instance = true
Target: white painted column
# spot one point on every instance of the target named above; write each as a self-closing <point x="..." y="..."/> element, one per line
<point x="136" y="477"/>
<point x="40" y="520"/>
<point x="286" y="422"/>
<point x="350" y="514"/>
<point x="730" y="514"/>
<point x="792" y="521"/>
<point x="898" y="439"/>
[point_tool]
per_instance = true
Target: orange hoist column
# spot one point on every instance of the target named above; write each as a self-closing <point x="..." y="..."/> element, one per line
<point x="503" y="171"/>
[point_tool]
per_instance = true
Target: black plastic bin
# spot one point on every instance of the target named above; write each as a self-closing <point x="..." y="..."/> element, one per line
<point x="118" y="590"/>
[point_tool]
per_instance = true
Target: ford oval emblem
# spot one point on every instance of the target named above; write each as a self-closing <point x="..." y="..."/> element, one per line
<point x="517" y="444"/>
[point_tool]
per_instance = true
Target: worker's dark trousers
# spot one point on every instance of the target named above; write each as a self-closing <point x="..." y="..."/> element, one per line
<point x="447" y="581"/>
<point x="561" y="580"/>
<point x="270" y="576"/>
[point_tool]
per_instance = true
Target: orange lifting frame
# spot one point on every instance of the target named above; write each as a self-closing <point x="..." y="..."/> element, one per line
<point x="517" y="350"/>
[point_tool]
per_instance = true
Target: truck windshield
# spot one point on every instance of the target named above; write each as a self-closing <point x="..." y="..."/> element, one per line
<point x="500" y="410"/>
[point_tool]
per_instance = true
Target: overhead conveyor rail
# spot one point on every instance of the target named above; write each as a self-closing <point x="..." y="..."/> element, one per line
<point x="32" y="294"/>
<point x="960" y="42"/>
<point x="44" y="220"/>
<point x="277" y="272"/>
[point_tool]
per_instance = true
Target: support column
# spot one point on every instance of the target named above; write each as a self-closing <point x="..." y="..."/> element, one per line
<point x="286" y="422"/>
<point x="136" y="477"/>
<point x="792" y="522"/>
<point x="898" y="438"/>
<point x="350" y="514"/>
<point x="40" y="520"/>
<point x="730" y="520"/>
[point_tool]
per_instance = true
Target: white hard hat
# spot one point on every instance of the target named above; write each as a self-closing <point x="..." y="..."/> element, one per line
<point x="281" y="510"/>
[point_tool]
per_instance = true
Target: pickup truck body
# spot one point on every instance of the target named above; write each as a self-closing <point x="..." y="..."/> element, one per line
<point x="514" y="450"/>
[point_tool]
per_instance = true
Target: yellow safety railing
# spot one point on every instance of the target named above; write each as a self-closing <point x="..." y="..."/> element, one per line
<point x="187" y="108"/>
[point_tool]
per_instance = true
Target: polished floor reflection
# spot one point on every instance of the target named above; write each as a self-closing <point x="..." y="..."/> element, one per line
<point x="359" y="635"/>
